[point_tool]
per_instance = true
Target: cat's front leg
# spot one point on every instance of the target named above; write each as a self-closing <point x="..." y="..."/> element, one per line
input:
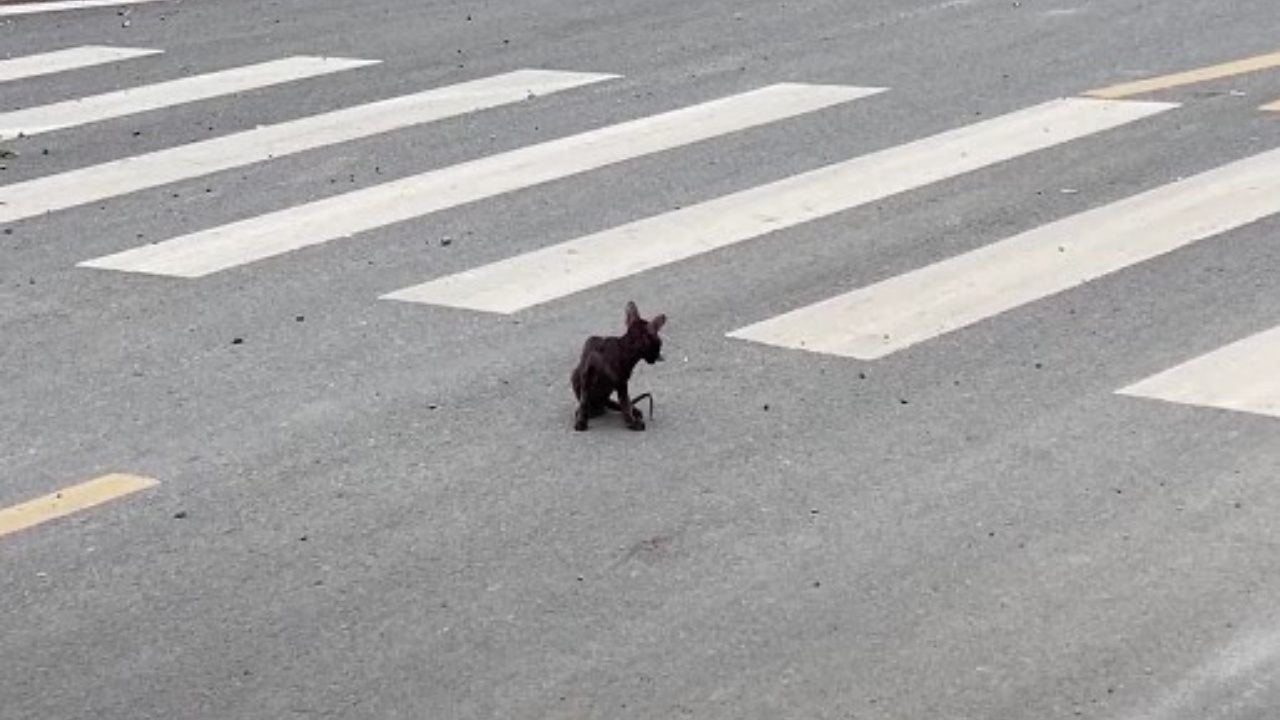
<point x="580" y="415"/>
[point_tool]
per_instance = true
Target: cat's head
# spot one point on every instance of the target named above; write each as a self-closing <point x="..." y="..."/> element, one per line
<point x="645" y="333"/>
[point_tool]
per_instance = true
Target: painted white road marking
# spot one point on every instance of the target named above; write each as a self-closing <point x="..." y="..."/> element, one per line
<point x="537" y="277"/>
<point x="33" y="8"/>
<point x="1241" y="376"/>
<point x="69" y="59"/>
<point x="314" y="223"/>
<point x="81" y="111"/>
<point x="899" y="312"/>
<point x="1237" y="671"/>
<point x="112" y="179"/>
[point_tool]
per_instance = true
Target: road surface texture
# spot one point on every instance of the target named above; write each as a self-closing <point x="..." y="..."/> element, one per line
<point x="969" y="408"/>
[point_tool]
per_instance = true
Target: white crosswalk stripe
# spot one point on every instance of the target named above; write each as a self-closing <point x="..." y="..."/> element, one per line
<point x="81" y="111"/>
<point x="1241" y="376"/>
<point x="45" y="6"/>
<point x="557" y="271"/>
<point x="60" y="61"/>
<point x="115" y="178"/>
<point x="902" y="311"/>
<point x="314" y="223"/>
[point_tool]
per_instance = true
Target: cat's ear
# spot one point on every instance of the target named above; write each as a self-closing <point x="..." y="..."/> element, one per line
<point x="633" y="314"/>
<point x="656" y="323"/>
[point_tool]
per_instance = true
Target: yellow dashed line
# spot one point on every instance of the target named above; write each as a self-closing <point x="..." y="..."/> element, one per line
<point x="71" y="500"/>
<point x="1214" y="72"/>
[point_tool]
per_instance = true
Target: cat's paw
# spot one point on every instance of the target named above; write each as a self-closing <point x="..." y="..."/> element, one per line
<point x="636" y="424"/>
<point x="580" y="424"/>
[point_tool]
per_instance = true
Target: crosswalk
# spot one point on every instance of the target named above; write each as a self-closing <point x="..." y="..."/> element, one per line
<point x="880" y="319"/>
<point x="121" y="103"/>
<point x="36" y="7"/>
<point x="1240" y="376"/>
<point x="60" y="61"/>
<point x="865" y="324"/>
<point x="306" y="225"/>
<point x="588" y="262"/>
<point x="184" y="162"/>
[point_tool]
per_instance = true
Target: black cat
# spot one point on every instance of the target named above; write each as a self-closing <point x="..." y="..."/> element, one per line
<point x="606" y="365"/>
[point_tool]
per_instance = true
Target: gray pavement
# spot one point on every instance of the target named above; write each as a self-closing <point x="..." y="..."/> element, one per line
<point x="371" y="509"/>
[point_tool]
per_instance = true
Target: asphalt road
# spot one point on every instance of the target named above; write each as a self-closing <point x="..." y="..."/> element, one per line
<point x="369" y="508"/>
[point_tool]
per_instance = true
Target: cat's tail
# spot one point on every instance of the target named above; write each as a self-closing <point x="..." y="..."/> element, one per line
<point x="613" y="404"/>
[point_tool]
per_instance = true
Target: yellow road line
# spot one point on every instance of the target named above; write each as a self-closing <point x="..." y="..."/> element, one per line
<point x="1214" y="72"/>
<point x="71" y="500"/>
